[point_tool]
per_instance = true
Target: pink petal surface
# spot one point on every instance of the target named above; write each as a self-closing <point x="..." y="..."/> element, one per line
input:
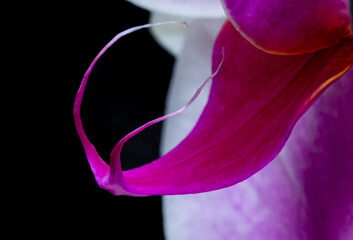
<point x="304" y="193"/>
<point x="255" y="100"/>
<point x="186" y="8"/>
<point x="290" y="27"/>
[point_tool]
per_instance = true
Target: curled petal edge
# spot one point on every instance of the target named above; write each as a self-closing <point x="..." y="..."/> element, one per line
<point x="110" y="177"/>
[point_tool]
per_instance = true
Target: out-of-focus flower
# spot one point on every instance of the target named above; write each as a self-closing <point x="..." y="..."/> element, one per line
<point x="262" y="88"/>
<point x="185" y="8"/>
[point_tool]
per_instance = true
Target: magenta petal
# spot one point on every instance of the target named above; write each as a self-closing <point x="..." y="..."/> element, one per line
<point x="290" y="27"/>
<point x="305" y="193"/>
<point x="255" y="100"/>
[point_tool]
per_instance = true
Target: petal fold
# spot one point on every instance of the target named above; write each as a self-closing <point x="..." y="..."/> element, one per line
<point x="290" y="27"/>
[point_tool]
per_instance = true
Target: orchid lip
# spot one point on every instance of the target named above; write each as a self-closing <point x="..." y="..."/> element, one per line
<point x="256" y="99"/>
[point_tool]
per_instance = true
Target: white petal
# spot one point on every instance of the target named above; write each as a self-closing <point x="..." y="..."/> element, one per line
<point x="187" y="8"/>
<point x="191" y="69"/>
<point x="170" y="37"/>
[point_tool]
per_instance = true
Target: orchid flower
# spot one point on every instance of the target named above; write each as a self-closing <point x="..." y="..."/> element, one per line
<point x="268" y="68"/>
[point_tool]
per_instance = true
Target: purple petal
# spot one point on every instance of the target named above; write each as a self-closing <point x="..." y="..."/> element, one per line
<point x="290" y="27"/>
<point x="187" y="8"/>
<point x="305" y="193"/>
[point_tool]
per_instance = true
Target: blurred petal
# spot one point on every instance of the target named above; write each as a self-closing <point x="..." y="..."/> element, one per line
<point x="290" y="27"/>
<point x="190" y="70"/>
<point x="187" y="8"/>
<point x="305" y="193"/>
<point x="255" y="100"/>
<point x="171" y="38"/>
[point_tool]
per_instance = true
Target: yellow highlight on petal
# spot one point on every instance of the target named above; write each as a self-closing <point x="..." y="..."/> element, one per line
<point x="325" y="85"/>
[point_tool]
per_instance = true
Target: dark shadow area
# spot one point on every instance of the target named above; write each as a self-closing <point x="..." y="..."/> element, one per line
<point x="126" y="89"/>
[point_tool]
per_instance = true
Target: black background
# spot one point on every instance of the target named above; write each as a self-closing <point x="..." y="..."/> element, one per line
<point x="54" y="188"/>
<point x="48" y="189"/>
